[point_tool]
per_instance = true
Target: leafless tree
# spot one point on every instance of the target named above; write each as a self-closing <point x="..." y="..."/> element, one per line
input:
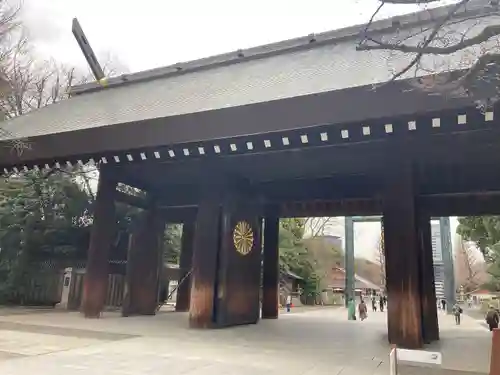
<point x="464" y="48"/>
<point x="37" y="83"/>
<point x="381" y="257"/>
<point x="319" y="226"/>
<point x="468" y="266"/>
<point x="10" y="38"/>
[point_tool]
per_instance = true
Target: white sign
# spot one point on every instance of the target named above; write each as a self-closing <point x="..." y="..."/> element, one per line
<point x="419" y="356"/>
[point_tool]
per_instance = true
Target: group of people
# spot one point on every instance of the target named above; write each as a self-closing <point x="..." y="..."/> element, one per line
<point x="492" y="316"/>
<point x="363" y="309"/>
<point x="382" y="301"/>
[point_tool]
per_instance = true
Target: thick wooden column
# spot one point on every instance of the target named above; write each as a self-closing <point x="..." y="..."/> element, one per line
<point x="206" y="245"/>
<point x="430" y="324"/>
<point x="240" y="260"/>
<point x="402" y="259"/>
<point x="185" y="264"/>
<point x="101" y="239"/>
<point x="143" y="265"/>
<point x="270" y="279"/>
<point x="495" y="353"/>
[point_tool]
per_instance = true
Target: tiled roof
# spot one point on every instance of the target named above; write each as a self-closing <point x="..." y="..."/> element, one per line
<point x="278" y="71"/>
<point x="360" y="282"/>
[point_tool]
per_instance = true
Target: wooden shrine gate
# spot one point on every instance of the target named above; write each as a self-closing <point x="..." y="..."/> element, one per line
<point x="224" y="143"/>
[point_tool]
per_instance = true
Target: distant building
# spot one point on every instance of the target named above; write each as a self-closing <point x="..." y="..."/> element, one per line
<point x="437" y="257"/>
<point x="290" y="285"/>
<point x="362" y="286"/>
<point x="334" y="241"/>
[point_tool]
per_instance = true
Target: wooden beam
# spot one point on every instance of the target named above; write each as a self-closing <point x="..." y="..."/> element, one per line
<point x="179" y="215"/>
<point x="346" y="207"/>
<point x="471" y="204"/>
<point x="326" y="188"/>
<point x="132" y="200"/>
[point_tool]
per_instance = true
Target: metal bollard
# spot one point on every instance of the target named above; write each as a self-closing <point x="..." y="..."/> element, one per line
<point x="495" y="353"/>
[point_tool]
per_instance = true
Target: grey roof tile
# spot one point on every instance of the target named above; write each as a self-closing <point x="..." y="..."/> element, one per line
<point x="322" y="67"/>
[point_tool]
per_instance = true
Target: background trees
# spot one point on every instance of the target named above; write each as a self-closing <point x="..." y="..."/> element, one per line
<point x="484" y="232"/>
<point x="44" y="216"/>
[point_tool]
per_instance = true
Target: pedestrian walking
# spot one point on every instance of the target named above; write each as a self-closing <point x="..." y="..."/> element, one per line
<point x="457" y="312"/>
<point x="381" y="303"/>
<point x="363" y="310"/>
<point x="288" y="303"/>
<point x="443" y="304"/>
<point x="492" y="318"/>
<point x="374" y="304"/>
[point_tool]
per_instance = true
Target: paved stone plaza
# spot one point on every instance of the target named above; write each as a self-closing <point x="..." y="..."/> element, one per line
<point x="308" y="341"/>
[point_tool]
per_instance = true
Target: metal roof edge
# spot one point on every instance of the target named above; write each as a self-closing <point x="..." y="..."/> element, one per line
<point x="474" y="8"/>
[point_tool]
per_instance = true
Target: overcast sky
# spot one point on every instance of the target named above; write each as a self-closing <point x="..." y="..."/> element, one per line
<point x="151" y="33"/>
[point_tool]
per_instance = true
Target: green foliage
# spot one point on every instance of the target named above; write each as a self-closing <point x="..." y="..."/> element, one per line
<point x="303" y="260"/>
<point x="485" y="232"/>
<point x="172" y="243"/>
<point x="49" y="217"/>
<point x="294" y="226"/>
<point x="39" y="218"/>
<point x="492" y="285"/>
<point x="293" y="254"/>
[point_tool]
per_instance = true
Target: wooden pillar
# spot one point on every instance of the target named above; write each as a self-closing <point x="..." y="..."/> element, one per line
<point x="270" y="279"/>
<point x="206" y="243"/>
<point x="240" y="260"/>
<point x="101" y="239"/>
<point x="143" y="265"/>
<point x="430" y="324"/>
<point x="402" y="258"/>
<point x="495" y="353"/>
<point x="185" y="264"/>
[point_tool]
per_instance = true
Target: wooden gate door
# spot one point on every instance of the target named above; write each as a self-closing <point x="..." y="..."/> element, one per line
<point x="238" y="284"/>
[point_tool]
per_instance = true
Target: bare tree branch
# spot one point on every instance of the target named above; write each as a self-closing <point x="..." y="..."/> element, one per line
<point x="472" y="56"/>
<point x="317" y="226"/>
<point x="422" y="45"/>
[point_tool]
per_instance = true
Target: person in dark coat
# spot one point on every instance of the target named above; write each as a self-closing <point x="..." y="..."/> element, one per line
<point x="363" y="310"/>
<point x="443" y="304"/>
<point x="492" y="318"/>
<point x="381" y="303"/>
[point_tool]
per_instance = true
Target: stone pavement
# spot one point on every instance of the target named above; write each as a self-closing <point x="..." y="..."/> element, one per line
<point x="314" y="341"/>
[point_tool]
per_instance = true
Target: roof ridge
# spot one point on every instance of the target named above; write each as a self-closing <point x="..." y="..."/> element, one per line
<point x="305" y="42"/>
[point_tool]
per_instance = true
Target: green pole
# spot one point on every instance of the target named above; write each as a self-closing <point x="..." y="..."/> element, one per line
<point x="349" y="259"/>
